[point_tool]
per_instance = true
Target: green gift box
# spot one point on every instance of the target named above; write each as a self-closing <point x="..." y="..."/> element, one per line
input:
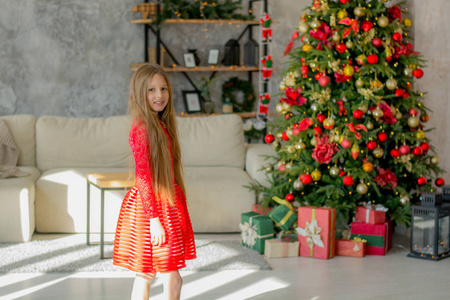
<point x="283" y="217"/>
<point x="255" y="229"/>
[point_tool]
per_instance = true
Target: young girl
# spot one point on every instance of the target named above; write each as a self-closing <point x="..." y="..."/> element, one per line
<point x="154" y="231"/>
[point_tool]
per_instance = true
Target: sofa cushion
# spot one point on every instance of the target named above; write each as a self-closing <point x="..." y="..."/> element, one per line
<point x="17" y="211"/>
<point x="257" y="156"/>
<point x="23" y="128"/>
<point x="82" y="142"/>
<point x="212" y="141"/>
<point x="61" y="198"/>
<point x="216" y="198"/>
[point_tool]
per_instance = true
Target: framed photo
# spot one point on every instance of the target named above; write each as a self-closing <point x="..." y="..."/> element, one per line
<point x="213" y="57"/>
<point x="189" y="60"/>
<point x="192" y="101"/>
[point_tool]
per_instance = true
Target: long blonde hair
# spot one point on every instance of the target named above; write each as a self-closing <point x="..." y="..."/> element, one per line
<point x="159" y="157"/>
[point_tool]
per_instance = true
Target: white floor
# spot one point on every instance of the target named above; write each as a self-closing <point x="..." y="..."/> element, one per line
<point x="394" y="276"/>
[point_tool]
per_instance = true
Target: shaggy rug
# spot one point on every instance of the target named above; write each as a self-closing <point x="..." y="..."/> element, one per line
<point x="71" y="254"/>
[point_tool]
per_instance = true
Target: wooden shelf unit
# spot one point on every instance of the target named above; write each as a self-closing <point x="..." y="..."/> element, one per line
<point x="215" y="68"/>
<point x="198" y="21"/>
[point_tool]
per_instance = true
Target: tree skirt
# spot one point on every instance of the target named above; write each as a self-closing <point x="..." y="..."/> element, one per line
<point x="71" y="254"/>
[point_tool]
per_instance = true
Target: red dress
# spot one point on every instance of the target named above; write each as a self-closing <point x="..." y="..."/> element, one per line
<point x="132" y="246"/>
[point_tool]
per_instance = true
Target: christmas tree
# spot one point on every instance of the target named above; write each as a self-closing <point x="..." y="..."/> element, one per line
<point x="351" y="125"/>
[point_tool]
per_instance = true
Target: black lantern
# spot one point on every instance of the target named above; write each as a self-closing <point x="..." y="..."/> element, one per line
<point x="232" y="53"/>
<point x="251" y="53"/>
<point x="446" y="194"/>
<point x="430" y="228"/>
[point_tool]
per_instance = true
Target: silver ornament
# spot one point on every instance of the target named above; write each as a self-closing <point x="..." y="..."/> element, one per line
<point x="298" y="185"/>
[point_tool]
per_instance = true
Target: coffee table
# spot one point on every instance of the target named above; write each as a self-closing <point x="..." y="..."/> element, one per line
<point x="104" y="182"/>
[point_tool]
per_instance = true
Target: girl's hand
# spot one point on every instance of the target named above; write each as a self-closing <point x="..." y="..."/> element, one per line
<point x="158" y="236"/>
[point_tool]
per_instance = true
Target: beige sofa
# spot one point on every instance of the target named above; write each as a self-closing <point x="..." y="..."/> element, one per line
<point x="58" y="152"/>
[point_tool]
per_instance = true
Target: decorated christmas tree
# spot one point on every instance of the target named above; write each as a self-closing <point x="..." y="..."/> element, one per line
<point x="351" y="128"/>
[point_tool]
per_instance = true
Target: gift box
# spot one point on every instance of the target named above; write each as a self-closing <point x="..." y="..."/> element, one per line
<point x="281" y="248"/>
<point x="259" y="209"/>
<point x="372" y="214"/>
<point x="316" y="229"/>
<point x="355" y="247"/>
<point x="378" y="236"/>
<point x="255" y="229"/>
<point x="283" y="215"/>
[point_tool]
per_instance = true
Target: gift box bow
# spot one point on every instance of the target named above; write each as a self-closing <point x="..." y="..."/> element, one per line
<point x="249" y="233"/>
<point x="312" y="233"/>
<point x="378" y="207"/>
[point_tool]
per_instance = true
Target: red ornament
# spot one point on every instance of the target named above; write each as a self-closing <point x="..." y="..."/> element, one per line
<point x="399" y="92"/>
<point x="371" y="145"/>
<point x="412" y="112"/>
<point x="358" y="114"/>
<point x="417" y="151"/>
<point x="318" y="75"/>
<point x="282" y="168"/>
<point x="372" y="59"/>
<point x="324" y="81"/>
<point x="366" y="25"/>
<point x="439" y="182"/>
<point x="290" y="197"/>
<point x="306" y="179"/>
<point x="404" y="149"/>
<point x="405" y="95"/>
<point x="377" y="42"/>
<point x="418" y="73"/>
<point x="346" y="144"/>
<point x="285" y="136"/>
<point x="344" y="1"/>
<point x="348" y="180"/>
<point x="305" y="70"/>
<point x="425" y="147"/>
<point x="395" y="153"/>
<point x="269" y="138"/>
<point x="341" y="48"/>
<point x="424" y="118"/>
<point x="421" y="181"/>
<point x="287" y="116"/>
<point x="388" y="58"/>
<point x="397" y="37"/>
<point x="382" y="136"/>
<point x="321" y="117"/>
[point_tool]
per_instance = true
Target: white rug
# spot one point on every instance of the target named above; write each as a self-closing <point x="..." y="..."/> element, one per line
<point x="71" y="254"/>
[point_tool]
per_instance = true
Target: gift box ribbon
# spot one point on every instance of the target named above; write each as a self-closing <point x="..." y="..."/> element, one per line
<point x="288" y="205"/>
<point x="370" y="207"/>
<point x="249" y="232"/>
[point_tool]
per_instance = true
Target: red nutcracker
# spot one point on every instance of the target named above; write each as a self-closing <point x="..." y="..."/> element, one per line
<point x="266" y="27"/>
<point x="267" y="66"/>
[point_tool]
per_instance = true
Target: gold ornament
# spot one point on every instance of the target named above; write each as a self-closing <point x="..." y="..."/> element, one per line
<point x="349" y="71"/>
<point x="313" y="141"/>
<point x="334" y="171"/>
<point x="376" y="83"/>
<point x="435" y="160"/>
<point x="303" y="27"/>
<point x="289" y="133"/>
<point x="279" y="135"/>
<point x="336" y="36"/>
<point x="315" y="24"/>
<point x="342" y="14"/>
<point x="363" y="108"/>
<point x="406" y="22"/>
<point x="378" y="152"/>
<point x="377" y="112"/>
<point x="398" y="115"/>
<point x="328" y="123"/>
<point x="298" y="185"/>
<point x="413" y="121"/>
<point x="275" y="145"/>
<point x="279" y="108"/>
<point x="407" y="72"/>
<point x="367" y="167"/>
<point x="362" y="188"/>
<point x="282" y="85"/>
<point x="290" y="149"/>
<point x="349" y="44"/>
<point x="359" y="82"/>
<point x="286" y="107"/>
<point x="316" y="175"/>
<point x="289" y="166"/>
<point x="383" y="21"/>
<point x="391" y="84"/>
<point x="369" y="125"/>
<point x="300" y="146"/>
<point x="361" y="59"/>
<point x="420" y="134"/>
<point x="359" y="11"/>
<point x="307" y="47"/>
<point x="404" y="200"/>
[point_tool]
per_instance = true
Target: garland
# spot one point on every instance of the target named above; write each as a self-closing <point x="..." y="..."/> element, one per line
<point x="235" y="84"/>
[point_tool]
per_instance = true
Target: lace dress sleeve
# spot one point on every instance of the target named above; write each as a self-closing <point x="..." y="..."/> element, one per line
<point x="141" y="148"/>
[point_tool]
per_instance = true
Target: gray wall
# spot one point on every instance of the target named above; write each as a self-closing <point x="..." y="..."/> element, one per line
<point x="72" y="57"/>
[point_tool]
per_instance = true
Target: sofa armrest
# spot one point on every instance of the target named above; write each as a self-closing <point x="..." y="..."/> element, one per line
<point x="255" y="160"/>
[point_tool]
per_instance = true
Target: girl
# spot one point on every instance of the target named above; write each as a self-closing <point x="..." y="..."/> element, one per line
<point x="154" y="231"/>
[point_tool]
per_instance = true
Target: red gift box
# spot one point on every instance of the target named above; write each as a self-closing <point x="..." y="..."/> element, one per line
<point x="354" y="248"/>
<point x="259" y="209"/>
<point x="370" y="216"/>
<point x="378" y="236"/>
<point x="316" y="228"/>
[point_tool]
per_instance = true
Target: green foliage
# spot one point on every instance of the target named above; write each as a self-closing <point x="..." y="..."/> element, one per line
<point x="298" y="131"/>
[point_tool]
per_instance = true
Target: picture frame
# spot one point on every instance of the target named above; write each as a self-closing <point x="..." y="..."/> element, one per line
<point x="189" y="60"/>
<point x="213" y="56"/>
<point x="192" y="101"/>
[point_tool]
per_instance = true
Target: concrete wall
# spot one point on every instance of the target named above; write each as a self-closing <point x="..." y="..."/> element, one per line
<point x="72" y="58"/>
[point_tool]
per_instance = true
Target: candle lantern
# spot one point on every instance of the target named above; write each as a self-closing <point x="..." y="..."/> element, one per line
<point x="430" y="228"/>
